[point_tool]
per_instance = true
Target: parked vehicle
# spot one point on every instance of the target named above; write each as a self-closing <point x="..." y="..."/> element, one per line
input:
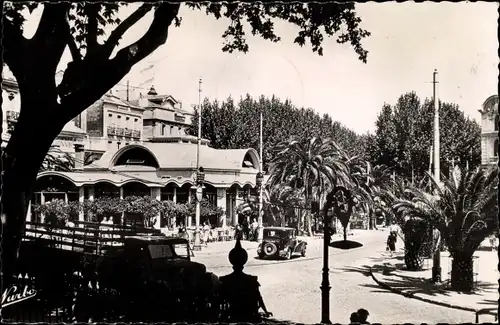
<point x="126" y="267"/>
<point x="281" y="242"/>
<point x="156" y="259"/>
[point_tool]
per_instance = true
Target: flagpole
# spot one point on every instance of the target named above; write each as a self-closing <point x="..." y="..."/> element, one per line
<point x="199" y="177"/>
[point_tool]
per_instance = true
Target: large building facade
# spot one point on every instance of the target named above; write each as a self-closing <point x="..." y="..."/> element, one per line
<point x="136" y="148"/>
<point x="489" y="132"/>
<point x="163" y="170"/>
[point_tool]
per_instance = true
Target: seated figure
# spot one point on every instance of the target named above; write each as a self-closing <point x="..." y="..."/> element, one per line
<point x="240" y="292"/>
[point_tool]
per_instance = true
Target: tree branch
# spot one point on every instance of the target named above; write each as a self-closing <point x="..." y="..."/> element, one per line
<point x="86" y="81"/>
<point x="155" y="36"/>
<point x="121" y="29"/>
<point x="73" y="48"/>
<point x="92" y="10"/>
<point x="50" y="38"/>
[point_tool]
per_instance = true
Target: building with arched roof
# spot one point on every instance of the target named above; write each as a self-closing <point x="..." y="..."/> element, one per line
<point x="489" y="132"/>
<point x="166" y="170"/>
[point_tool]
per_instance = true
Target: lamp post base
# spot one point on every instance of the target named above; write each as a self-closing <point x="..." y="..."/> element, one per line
<point x="436" y="274"/>
<point x="325" y="301"/>
<point x="325" y="297"/>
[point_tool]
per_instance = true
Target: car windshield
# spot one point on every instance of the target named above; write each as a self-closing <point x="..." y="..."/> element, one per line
<point x="160" y="251"/>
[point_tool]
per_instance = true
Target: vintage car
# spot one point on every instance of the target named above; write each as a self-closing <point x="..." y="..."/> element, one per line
<point x="158" y="258"/>
<point x="281" y="242"/>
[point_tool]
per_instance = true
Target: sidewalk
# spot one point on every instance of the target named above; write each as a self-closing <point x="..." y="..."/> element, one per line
<point x="390" y="274"/>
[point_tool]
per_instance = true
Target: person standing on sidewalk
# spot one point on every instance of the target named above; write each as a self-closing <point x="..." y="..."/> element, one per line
<point x="255" y="229"/>
<point x="394" y="230"/>
<point x="391" y="243"/>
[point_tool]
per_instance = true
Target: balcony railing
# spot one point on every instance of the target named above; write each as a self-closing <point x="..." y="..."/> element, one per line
<point x="493" y="160"/>
<point x="127" y="132"/>
<point x="111" y="130"/>
<point x="179" y="118"/>
<point x="136" y="134"/>
<point x="12" y="116"/>
<point x="120" y="131"/>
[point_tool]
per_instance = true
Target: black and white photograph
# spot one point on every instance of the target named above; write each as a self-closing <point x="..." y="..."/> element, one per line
<point x="249" y="162"/>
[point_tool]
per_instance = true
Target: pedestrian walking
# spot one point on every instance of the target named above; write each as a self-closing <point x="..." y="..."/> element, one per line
<point x="255" y="228"/>
<point x="238" y="232"/>
<point x="246" y="229"/>
<point x="206" y="233"/>
<point x="391" y="243"/>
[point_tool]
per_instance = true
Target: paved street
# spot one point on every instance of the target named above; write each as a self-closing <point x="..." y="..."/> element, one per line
<point x="291" y="288"/>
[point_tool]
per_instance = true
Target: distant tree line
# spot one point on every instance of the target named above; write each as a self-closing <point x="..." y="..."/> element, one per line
<point x="230" y="125"/>
<point x="405" y="131"/>
<point x="402" y="139"/>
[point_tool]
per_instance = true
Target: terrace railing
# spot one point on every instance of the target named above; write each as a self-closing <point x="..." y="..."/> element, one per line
<point x="85" y="237"/>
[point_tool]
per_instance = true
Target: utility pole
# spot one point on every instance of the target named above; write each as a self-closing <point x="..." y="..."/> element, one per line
<point x="199" y="178"/>
<point x="437" y="169"/>
<point x="436" y="263"/>
<point x="128" y="90"/>
<point x="260" y="232"/>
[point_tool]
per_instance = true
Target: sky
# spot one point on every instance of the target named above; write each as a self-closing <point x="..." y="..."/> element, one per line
<point x="408" y="41"/>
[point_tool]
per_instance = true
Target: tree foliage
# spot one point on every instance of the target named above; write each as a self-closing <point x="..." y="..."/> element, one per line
<point x="207" y="210"/>
<point x="404" y="136"/>
<point x="310" y="165"/>
<point x="230" y="125"/>
<point x="465" y="210"/>
<point x="58" y="160"/>
<point x="57" y="211"/>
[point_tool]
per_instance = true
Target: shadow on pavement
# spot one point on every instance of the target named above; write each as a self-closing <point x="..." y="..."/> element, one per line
<point x="391" y="277"/>
<point x="345" y="244"/>
<point x="489" y="302"/>
<point x="293" y="257"/>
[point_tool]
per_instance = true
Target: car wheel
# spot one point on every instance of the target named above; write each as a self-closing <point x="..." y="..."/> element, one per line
<point x="270" y="249"/>
<point x="288" y="254"/>
<point x="303" y="252"/>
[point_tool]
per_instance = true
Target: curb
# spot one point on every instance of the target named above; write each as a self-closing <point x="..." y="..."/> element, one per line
<point x="412" y="296"/>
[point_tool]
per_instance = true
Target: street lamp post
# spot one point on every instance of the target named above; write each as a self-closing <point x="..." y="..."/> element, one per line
<point x="331" y="201"/>
<point x="259" y="180"/>
<point x="325" y="283"/>
<point x="200" y="177"/>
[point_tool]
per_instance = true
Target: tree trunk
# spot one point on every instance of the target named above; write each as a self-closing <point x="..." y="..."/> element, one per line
<point x="33" y="135"/>
<point x="462" y="273"/>
<point x="345" y="233"/>
<point x="414" y="261"/>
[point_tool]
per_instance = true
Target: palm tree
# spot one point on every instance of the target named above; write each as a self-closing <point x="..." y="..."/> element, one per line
<point x="415" y="228"/>
<point x="58" y="160"/>
<point x="360" y="180"/>
<point x="464" y="208"/>
<point x="311" y="165"/>
<point x="379" y="182"/>
<point x="279" y="199"/>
